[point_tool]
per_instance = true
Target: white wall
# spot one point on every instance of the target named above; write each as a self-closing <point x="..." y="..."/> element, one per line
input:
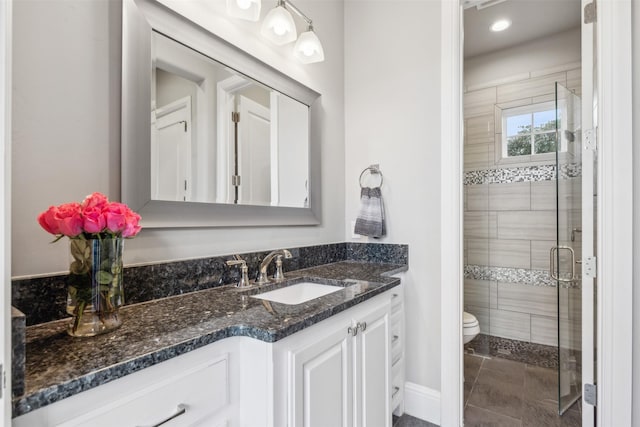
<point x="542" y="54"/>
<point x="66" y="126"/>
<point x="392" y="99"/>
<point x="636" y="214"/>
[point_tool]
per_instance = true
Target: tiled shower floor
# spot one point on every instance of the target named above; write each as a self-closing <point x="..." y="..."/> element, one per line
<point x="519" y="351"/>
<point x="505" y="393"/>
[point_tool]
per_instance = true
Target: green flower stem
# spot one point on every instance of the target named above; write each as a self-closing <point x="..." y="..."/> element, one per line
<point x="79" y="311"/>
<point x="95" y="280"/>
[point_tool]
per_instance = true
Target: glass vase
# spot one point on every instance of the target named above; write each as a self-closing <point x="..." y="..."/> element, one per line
<point x="94" y="291"/>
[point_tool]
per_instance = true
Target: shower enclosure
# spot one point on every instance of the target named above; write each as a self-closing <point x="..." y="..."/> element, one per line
<point x="566" y="256"/>
<point x="522" y="227"/>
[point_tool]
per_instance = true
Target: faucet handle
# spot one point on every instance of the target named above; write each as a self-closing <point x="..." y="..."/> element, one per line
<point x="244" y="271"/>
<point x="279" y="274"/>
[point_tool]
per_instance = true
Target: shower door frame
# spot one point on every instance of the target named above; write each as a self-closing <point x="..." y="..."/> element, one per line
<point x="613" y="67"/>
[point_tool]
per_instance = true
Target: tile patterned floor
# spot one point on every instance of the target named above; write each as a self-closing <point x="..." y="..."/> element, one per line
<point x="505" y="393"/>
<point x="409" y="421"/>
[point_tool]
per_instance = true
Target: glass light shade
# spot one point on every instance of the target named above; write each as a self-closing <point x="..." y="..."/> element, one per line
<point x="244" y="9"/>
<point x="308" y="48"/>
<point x="278" y="26"/>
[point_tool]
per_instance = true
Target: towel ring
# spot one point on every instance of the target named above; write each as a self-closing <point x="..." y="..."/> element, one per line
<point x="373" y="171"/>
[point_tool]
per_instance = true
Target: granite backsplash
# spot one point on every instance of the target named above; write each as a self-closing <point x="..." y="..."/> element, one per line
<point x="43" y="299"/>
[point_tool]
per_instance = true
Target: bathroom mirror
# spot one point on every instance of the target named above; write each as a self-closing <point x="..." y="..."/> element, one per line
<point x="211" y="136"/>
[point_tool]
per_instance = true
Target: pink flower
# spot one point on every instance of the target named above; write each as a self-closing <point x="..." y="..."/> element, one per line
<point x="93" y="219"/>
<point x="132" y="226"/>
<point x="48" y="221"/>
<point x="97" y="200"/>
<point x="115" y="215"/>
<point x="69" y="219"/>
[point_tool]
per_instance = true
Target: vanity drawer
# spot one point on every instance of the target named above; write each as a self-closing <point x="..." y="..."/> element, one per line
<point x="397" y="299"/>
<point x="396" y="337"/>
<point x="397" y="392"/>
<point x="396" y="324"/>
<point x="191" y="397"/>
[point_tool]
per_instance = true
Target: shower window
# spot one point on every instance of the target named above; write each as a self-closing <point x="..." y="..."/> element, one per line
<point x="530" y="130"/>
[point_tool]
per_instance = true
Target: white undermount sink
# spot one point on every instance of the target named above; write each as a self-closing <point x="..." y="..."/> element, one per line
<point x="298" y="293"/>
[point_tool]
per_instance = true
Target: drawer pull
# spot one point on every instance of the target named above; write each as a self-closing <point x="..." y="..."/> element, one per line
<point x="395" y="391"/>
<point x="395" y="339"/>
<point x="180" y="410"/>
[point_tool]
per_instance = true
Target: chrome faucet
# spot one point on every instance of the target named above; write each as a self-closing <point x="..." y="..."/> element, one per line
<point x="262" y="275"/>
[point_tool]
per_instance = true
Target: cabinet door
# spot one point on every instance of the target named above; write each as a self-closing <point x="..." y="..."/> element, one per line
<point x="372" y="366"/>
<point x="321" y="390"/>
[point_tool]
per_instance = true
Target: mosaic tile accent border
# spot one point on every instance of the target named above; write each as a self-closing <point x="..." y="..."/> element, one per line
<point x="512" y="275"/>
<point x="521" y="174"/>
<point x="570" y="170"/>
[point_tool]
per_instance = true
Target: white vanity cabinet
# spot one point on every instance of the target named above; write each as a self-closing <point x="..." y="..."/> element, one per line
<point x="189" y="390"/>
<point x="335" y="373"/>
<point x="338" y="372"/>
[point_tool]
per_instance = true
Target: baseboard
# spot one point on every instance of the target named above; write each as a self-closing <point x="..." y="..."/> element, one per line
<point x="422" y="402"/>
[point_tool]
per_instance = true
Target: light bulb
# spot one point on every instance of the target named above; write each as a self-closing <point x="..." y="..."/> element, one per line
<point x="244" y="9"/>
<point x="307" y="50"/>
<point x="278" y="26"/>
<point x="244" y="4"/>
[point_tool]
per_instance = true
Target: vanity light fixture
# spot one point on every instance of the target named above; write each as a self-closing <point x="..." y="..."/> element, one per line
<point x="308" y="48"/>
<point x="500" y="25"/>
<point x="279" y="27"/>
<point x="244" y="9"/>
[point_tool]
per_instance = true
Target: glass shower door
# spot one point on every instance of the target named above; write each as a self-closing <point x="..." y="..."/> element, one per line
<point x="566" y="256"/>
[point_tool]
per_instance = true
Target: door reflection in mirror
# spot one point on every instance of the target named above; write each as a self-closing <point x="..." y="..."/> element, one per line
<point x="218" y="136"/>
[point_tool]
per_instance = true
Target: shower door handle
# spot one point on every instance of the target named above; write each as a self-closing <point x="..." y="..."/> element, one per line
<point x="552" y="264"/>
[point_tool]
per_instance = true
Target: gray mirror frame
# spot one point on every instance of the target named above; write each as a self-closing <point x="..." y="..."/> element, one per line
<point x="139" y="18"/>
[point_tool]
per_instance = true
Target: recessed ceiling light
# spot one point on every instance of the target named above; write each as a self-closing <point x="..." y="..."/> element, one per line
<point x="500" y="25"/>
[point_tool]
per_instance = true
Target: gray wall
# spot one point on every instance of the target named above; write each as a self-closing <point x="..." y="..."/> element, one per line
<point x="392" y="93"/>
<point x="66" y="128"/>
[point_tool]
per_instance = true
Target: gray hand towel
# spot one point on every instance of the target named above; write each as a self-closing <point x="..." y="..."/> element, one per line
<point x="370" y="221"/>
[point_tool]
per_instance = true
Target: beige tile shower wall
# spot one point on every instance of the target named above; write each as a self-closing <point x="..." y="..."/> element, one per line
<point x="525" y="312"/>
<point x="513" y="225"/>
<point x="515" y="196"/>
<point x="528" y="225"/>
<point x="529" y="88"/>
<point x="482" y="129"/>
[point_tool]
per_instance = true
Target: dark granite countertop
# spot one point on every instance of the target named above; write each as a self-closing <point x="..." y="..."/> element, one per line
<point x="59" y="366"/>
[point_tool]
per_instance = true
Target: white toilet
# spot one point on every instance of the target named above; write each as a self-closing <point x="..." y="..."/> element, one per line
<point x="471" y="327"/>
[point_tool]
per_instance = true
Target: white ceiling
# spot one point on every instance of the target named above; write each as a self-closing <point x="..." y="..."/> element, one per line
<point x="530" y="19"/>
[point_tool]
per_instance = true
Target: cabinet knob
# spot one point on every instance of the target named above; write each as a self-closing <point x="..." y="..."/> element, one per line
<point x="362" y="326"/>
<point x="353" y="331"/>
